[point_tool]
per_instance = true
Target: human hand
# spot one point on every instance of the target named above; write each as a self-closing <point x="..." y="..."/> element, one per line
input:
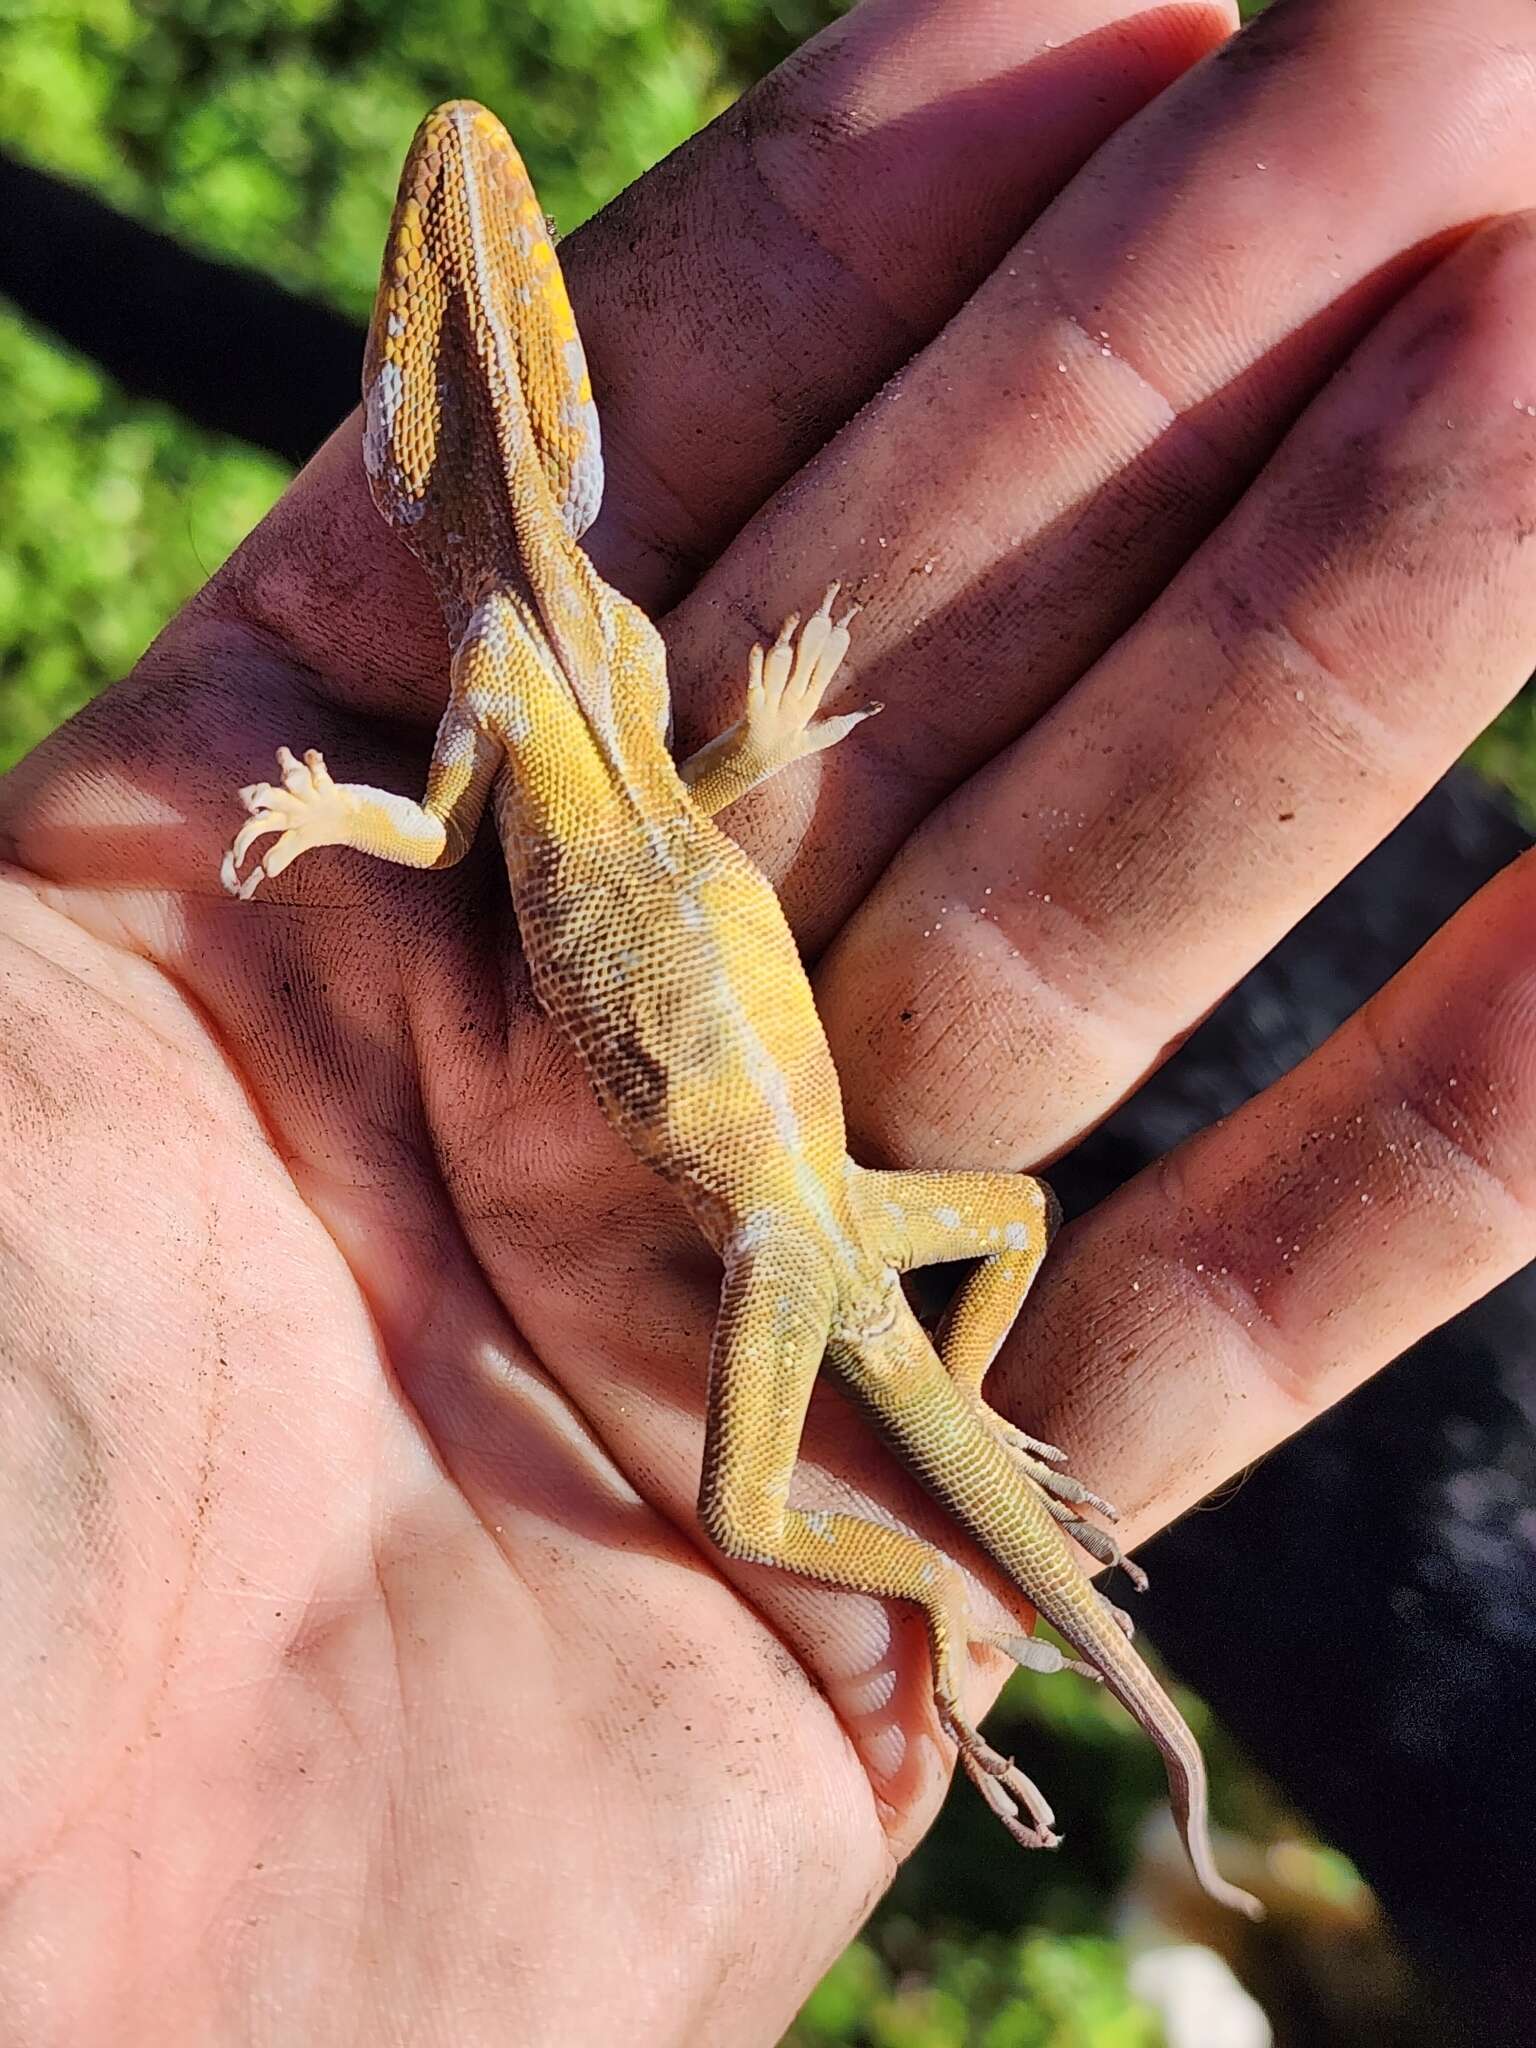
<point x="365" y="1656"/>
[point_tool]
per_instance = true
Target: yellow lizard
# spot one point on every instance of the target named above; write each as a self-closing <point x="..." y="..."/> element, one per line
<point x="662" y="953"/>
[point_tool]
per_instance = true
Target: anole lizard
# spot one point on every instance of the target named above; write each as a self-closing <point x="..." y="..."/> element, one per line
<point x="662" y="953"/>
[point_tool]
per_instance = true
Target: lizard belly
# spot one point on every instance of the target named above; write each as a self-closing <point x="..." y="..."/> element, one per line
<point x="662" y="954"/>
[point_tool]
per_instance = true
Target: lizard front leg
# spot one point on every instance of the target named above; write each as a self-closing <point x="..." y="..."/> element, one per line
<point x="1005" y="1222"/>
<point x="769" y="1342"/>
<point x="785" y="687"/>
<point x="307" y="808"/>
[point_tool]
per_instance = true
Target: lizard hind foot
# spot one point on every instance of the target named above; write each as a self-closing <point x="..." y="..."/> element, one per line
<point x="1063" y="1494"/>
<point x="1005" y="1788"/>
<point x="1032" y="1455"/>
<point x="306" y="808"/>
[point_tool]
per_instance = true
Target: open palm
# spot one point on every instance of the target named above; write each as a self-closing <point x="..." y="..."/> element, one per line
<point x="366" y="1673"/>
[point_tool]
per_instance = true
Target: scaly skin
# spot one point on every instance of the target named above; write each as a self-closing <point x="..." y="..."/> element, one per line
<point x="663" y="954"/>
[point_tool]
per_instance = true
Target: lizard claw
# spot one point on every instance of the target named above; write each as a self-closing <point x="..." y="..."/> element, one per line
<point x="1063" y="1493"/>
<point x="1101" y="1546"/>
<point x="1005" y="1788"/>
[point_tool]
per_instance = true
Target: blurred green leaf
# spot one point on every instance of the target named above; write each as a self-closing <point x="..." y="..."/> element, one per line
<point x="902" y="1988"/>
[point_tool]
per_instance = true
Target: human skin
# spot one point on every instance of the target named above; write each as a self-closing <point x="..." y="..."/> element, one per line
<point x="364" y="1675"/>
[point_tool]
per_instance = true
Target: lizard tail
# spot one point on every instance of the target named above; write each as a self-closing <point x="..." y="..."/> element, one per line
<point x="1084" y="1618"/>
<point x="977" y="1477"/>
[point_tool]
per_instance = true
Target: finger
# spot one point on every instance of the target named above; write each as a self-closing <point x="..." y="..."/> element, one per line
<point x="1266" y="1267"/>
<point x="872" y="182"/>
<point x="749" y="295"/>
<point x="1076" y="908"/>
<point x="1012" y="501"/>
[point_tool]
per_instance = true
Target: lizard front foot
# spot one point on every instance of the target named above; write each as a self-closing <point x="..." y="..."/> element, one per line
<point x="306" y="809"/>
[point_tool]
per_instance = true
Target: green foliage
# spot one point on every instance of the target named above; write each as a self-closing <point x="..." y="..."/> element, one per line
<point x="114" y="512"/>
<point x="1506" y="753"/>
<point x="907" y="1988"/>
<point x="271" y="131"/>
<point x="280" y="124"/>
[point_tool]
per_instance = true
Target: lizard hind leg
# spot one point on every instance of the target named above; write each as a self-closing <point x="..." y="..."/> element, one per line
<point x="769" y="1342"/>
<point x="1005" y="1222"/>
<point x="866" y="1557"/>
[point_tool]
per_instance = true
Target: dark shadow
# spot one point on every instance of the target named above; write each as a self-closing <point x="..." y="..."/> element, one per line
<point x="234" y="352"/>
